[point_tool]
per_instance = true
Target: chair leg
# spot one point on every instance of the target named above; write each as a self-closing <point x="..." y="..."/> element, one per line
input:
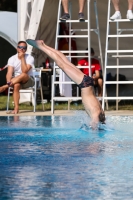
<point x="7" y="107"/>
<point x="35" y="101"/>
<point x="68" y="104"/>
<point x="35" y="88"/>
<point x="41" y="95"/>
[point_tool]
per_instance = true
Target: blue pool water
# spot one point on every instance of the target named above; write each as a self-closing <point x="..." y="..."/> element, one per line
<point x="58" y="157"/>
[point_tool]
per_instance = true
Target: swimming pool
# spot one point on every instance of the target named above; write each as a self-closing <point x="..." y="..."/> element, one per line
<point x="58" y="157"/>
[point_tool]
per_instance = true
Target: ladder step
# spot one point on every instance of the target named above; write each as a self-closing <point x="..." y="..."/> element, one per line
<point x="69" y="51"/>
<point x="64" y="82"/>
<point x="123" y="35"/>
<point x="121" y="20"/>
<point x="84" y="67"/>
<point x="70" y="98"/>
<point x="118" y="98"/>
<point x="83" y="30"/>
<point x="118" y="82"/>
<point x="66" y="98"/>
<point x="129" y="29"/>
<point x="122" y="56"/>
<point x="81" y="56"/>
<point x="72" y="36"/>
<point x="73" y="21"/>
<point x="119" y="66"/>
<point x="119" y="51"/>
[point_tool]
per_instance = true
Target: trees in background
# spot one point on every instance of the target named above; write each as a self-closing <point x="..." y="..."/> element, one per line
<point x="8" y="5"/>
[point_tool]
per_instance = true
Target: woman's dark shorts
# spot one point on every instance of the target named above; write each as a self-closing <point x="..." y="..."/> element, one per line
<point x="29" y="83"/>
<point x="86" y="82"/>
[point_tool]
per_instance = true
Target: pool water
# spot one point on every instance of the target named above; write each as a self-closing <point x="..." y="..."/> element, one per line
<point x="59" y="157"/>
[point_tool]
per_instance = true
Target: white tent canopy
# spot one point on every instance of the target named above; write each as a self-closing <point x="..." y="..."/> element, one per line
<point x="29" y="15"/>
<point x="8" y="27"/>
<point x="37" y="19"/>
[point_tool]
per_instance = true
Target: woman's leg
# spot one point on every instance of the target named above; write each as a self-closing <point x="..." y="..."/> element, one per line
<point x="71" y="70"/>
<point x="130" y="4"/>
<point x="81" y="6"/>
<point x="65" y="5"/>
<point x="116" y="5"/>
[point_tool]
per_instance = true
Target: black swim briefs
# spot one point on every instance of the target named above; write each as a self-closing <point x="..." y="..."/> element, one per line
<point x="86" y="82"/>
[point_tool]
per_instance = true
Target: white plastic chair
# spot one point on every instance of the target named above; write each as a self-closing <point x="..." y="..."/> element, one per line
<point x="32" y="90"/>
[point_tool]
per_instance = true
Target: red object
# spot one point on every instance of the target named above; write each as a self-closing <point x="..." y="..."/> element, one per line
<point x="47" y="63"/>
<point x="95" y="65"/>
<point x="3" y="68"/>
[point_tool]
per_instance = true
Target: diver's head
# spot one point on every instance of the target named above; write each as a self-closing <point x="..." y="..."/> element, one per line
<point x="102" y="117"/>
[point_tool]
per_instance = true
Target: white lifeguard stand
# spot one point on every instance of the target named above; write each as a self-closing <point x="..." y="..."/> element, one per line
<point x="118" y="54"/>
<point x="86" y="34"/>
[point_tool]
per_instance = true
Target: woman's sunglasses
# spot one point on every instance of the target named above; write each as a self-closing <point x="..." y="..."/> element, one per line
<point x="22" y="47"/>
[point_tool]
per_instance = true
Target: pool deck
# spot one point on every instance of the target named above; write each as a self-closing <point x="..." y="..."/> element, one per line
<point x="61" y="112"/>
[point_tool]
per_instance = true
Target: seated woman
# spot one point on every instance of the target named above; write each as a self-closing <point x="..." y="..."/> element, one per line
<point x="90" y="102"/>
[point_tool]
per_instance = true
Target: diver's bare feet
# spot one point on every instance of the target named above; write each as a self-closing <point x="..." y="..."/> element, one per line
<point x="3" y="88"/>
<point x="35" y="43"/>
